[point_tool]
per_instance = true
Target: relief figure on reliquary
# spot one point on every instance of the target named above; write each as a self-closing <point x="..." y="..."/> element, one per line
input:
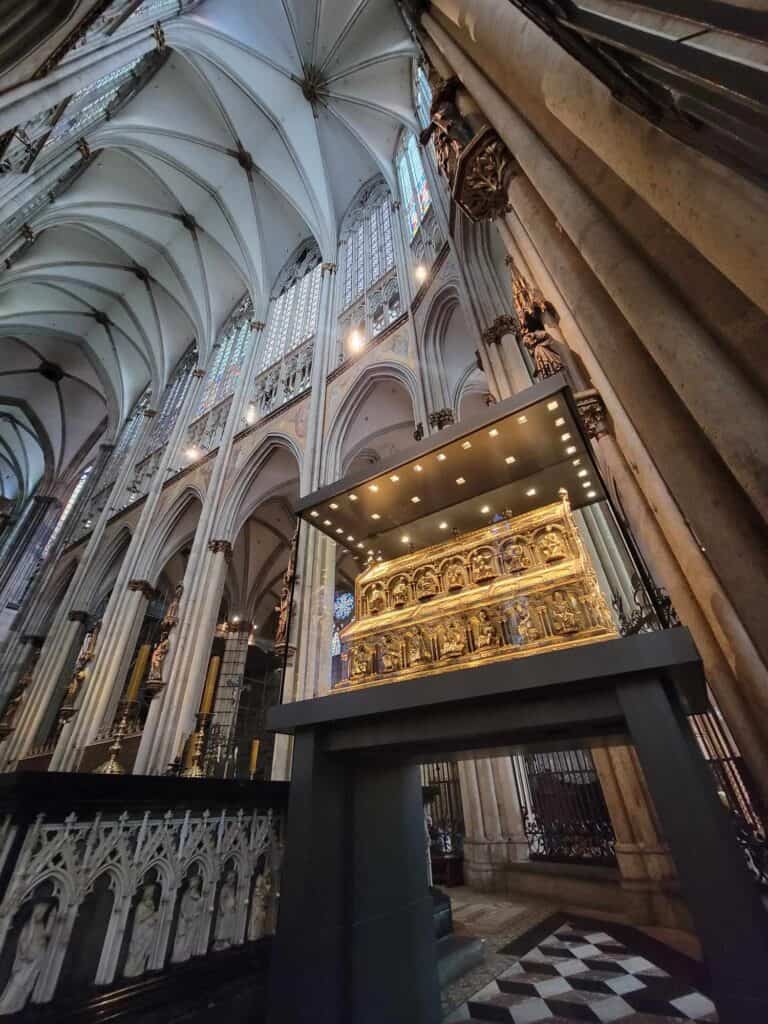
<point x="400" y="593"/>
<point x="359" y="661"/>
<point x="389" y="654"/>
<point x="551" y="545"/>
<point x="453" y="638"/>
<point x="562" y="614"/>
<point x="486" y="631"/>
<point x="427" y="584"/>
<point x="377" y="599"/>
<point x="483" y="565"/>
<point x="417" y="647"/>
<point x="516" y="556"/>
<point x="526" y="628"/>
<point x="455" y="576"/>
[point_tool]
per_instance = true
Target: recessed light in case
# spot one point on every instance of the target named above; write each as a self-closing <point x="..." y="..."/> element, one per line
<point x="417" y="468"/>
<point x="333" y="505"/>
<point x="552" y="406"/>
<point x="467" y="445"/>
<point x="360" y="544"/>
<point x="493" y="433"/>
<point x="485" y="510"/>
<point x="394" y="478"/>
<point x="326" y="522"/>
<point x="582" y="472"/>
<point x="441" y="456"/>
<point x="587" y="483"/>
<point x="576" y="462"/>
<point x="530" y="492"/>
<point x="350" y="537"/>
<point x="314" y="514"/>
<point x="591" y="494"/>
<point x="570" y="449"/>
<point x="353" y="497"/>
<point x="375" y="515"/>
<point x="510" y="459"/>
<point x="415" y="499"/>
<point x="405" y="539"/>
<point x="460" y="480"/>
<point x="565" y="437"/>
<point x="374" y="488"/>
<point x="560" y="421"/>
<point x="339" y="530"/>
<point x="522" y="419"/>
<point x="443" y="526"/>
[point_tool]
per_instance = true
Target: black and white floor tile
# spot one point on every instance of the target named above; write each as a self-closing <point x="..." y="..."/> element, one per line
<point x="578" y="973"/>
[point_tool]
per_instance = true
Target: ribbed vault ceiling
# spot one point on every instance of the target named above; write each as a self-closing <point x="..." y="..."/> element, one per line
<point x="254" y="134"/>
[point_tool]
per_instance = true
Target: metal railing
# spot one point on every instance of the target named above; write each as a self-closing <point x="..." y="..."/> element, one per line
<point x="565" y="817"/>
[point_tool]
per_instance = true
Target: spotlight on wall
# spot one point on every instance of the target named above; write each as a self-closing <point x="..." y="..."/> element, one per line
<point x="420" y="273"/>
<point x="193" y="452"/>
<point x="235" y="618"/>
<point x="356" y="340"/>
<point x="250" y="414"/>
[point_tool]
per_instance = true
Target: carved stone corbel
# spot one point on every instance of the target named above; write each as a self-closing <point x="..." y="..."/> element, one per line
<point x="483" y="171"/>
<point x="77" y="616"/>
<point x="504" y="324"/>
<point x="593" y="413"/>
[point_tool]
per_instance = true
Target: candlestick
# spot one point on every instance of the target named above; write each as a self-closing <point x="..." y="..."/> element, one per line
<point x="255" y="744"/>
<point x="206" y="704"/>
<point x="137" y="675"/>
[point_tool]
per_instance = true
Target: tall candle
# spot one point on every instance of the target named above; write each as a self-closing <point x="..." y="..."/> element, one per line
<point x="254" y="756"/>
<point x="206" y="705"/>
<point x="137" y="675"/>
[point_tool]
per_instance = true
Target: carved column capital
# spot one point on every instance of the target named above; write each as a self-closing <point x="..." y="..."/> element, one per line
<point x="504" y="324"/>
<point x="593" y="413"/>
<point x="441" y="418"/>
<point x="35" y="639"/>
<point x="149" y="413"/>
<point x="197" y="372"/>
<point x="144" y="587"/>
<point x="329" y="268"/>
<point x="258" y="325"/>
<point x="77" y="616"/>
<point x="221" y="546"/>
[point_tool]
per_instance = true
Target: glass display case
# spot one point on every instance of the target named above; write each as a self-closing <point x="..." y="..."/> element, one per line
<point x="492" y="539"/>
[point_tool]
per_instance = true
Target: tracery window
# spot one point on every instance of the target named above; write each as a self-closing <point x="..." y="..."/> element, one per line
<point x="370" y="293"/>
<point x="293" y="311"/>
<point x="425" y="237"/>
<point x="128" y="437"/>
<point x="284" y="366"/>
<point x="172" y="401"/>
<point x="66" y="512"/>
<point x="423" y="96"/>
<point x="229" y="352"/>
<point x="414" y="190"/>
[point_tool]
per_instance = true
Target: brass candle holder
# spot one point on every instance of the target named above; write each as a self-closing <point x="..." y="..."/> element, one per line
<point x="112" y="766"/>
<point x="194" y="768"/>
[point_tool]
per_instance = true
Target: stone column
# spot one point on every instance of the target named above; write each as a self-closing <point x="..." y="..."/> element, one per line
<point x="173" y="718"/>
<point x="308" y="667"/>
<point x="718" y="395"/>
<point x="58" y="642"/>
<point x="100" y="696"/>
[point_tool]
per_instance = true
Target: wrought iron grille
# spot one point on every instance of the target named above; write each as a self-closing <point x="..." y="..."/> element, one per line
<point x="444" y="795"/>
<point x="563" y="809"/>
<point x="736" y="790"/>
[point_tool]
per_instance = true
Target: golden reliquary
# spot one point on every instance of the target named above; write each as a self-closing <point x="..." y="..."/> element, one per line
<point x="520" y="586"/>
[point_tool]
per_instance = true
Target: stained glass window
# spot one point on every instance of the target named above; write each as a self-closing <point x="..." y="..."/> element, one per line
<point x="66" y="512"/>
<point x="228" y="355"/>
<point x="413" y="184"/>
<point x="293" y="312"/>
<point x="172" y="401"/>
<point x="423" y="97"/>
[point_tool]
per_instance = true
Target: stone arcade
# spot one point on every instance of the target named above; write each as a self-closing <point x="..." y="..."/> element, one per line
<point x="383" y="466"/>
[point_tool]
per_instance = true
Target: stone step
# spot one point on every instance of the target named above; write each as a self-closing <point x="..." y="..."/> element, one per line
<point x="457" y="954"/>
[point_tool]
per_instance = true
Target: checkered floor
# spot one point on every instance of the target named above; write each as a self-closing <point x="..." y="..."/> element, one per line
<point x="576" y="974"/>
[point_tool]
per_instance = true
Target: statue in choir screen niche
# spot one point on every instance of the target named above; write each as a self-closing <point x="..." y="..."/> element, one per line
<point x="29" y="961"/>
<point x="188" y="928"/>
<point x="144" y="933"/>
<point x="226" y="922"/>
